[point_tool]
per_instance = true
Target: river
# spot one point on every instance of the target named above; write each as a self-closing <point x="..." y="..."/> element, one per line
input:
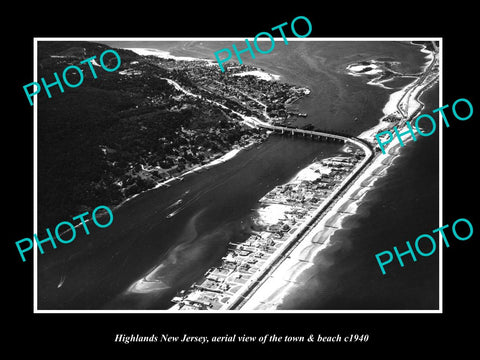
<point x="97" y="271"/>
<point x="216" y="208"/>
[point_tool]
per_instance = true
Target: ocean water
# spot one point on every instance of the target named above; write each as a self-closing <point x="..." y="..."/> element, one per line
<point x="402" y="205"/>
<point x="337" y="98"/>
<point x="98" y="271"/>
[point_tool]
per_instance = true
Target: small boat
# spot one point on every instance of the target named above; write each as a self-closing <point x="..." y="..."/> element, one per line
<point x="178" y="202"/>
<point x="62" y="280"/>
<point x="172" y="214"/>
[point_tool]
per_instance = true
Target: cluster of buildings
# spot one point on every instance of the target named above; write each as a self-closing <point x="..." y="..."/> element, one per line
<point x="239" y="88"/>
<point x="283" y="211"/>
<point x="242" y="261"/>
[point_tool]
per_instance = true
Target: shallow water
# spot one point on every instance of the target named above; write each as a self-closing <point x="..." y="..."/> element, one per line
<point x="101" y="270"/>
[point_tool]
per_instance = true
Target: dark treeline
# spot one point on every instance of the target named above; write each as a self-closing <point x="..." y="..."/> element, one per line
<point x="93" y="140"/>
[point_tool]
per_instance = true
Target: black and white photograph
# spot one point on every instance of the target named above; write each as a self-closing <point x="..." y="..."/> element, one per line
<point x="216" y="179"/>
<point x="259" y="187"/>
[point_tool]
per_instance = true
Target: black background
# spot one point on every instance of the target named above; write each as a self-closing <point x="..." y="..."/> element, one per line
<point x="56" y="335"/>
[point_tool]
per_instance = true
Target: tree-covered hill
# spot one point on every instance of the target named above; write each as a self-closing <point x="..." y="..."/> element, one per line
<point x="118" y="134"/>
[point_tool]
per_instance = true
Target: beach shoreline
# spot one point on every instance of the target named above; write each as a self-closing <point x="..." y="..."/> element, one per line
<point x="284" y="277"/>
<point x="260" y="300"/>
<point x="300" y="258"/>
<point x="163" y="54"/>
<point x="266" y="290"/>
<point x="214" y="161"/>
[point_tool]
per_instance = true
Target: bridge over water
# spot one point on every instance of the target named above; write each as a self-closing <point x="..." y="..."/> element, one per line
<point x="319" y="134"/>
<point x="239" y="299"/>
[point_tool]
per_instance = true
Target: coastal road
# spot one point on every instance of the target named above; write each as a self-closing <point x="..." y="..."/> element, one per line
<point x="253" y="284"/>
<point x="305" y="230"/>
<point x="240" y="297"/>
<point x="404" y="101"/>
<point x="253" y="121"/>
<point x="310" y="226"/>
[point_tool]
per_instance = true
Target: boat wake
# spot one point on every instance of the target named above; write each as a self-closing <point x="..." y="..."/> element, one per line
<point x="62" y="280"/>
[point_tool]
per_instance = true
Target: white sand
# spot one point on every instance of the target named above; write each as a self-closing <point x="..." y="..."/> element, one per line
<point x="358" y="70"/>
<point x="223" y="158"/>
<point x="268" y="297"/>
<point x="286" y="277"/>
<point x="230" y="155"/>
<point x="259" y="74"/>
<point x="166" y="55"/>
<point x="280" y="283"/>
<point x="273" y="213"/>
<point x="311" y="172"/>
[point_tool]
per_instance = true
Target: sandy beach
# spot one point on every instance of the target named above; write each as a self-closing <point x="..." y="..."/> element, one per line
<point x="283" y="279"/>
<point x="285" y="276"/>
<point x="408" y="99"/>
<point x="247" y="120"/>
<point x="260" y="74"/>
<point x="299" y="258"/>
<point x="166" y="55"/>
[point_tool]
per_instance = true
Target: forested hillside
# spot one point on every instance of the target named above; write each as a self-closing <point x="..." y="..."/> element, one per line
<point x="118" y="134"/>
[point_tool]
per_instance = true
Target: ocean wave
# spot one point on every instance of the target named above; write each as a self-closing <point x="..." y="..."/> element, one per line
<point x="322" y="236"/>
<point x="380" y="169"/>
<point x="349" y="207"/>
<point x="369" y="181"/>
<point x="294" y="269"/>
<point x="359" y="193"/>
<point x="268" y="300"/>
<point x="308" y="253"/>
<point x="335" y="221"/>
